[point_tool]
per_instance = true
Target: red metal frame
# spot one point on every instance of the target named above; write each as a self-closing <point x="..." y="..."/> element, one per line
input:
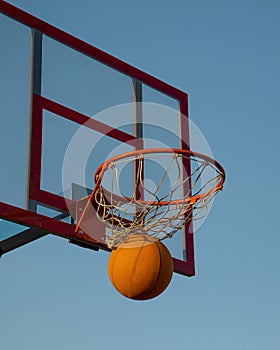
<point x="40" y="103"/>
<point x="27" y="218"/>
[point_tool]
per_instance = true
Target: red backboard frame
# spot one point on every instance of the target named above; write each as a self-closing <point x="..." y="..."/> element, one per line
<point x="39" y="103"/>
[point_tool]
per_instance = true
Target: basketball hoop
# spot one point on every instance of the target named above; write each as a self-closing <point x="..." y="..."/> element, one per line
<point x="159" y="211"/>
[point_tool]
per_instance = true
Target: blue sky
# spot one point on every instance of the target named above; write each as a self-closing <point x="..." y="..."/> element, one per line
<point x="225" y="55"/>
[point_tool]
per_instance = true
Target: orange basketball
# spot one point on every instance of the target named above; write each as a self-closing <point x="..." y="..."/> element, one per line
<point x="140" y="268"/>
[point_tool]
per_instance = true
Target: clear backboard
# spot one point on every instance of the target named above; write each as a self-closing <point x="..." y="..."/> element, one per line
<point x="66" y="107"/>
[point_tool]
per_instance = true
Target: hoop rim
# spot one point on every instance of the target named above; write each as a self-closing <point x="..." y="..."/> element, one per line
<point x="191" y="200"/>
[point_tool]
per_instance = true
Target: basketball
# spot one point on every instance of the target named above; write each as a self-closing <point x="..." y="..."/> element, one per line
<point x="140" y="268"/>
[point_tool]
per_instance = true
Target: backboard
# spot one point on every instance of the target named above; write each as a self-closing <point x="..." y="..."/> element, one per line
<point x="66" y="107"/>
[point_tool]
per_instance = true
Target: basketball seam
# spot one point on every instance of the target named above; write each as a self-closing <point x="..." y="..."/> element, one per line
<point x="133" y="270"/>
<point x="144" y="296"/>
<point x="158" y="273"/>
<point x="112" y="269"/>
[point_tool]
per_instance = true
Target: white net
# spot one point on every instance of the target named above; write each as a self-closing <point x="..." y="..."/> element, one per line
<point x="169" y="188"/>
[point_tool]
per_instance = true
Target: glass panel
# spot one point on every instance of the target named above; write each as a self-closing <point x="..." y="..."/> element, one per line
<point x="74" y="152"/>
<point x="161" y="129"/>
<point x="80" y="82"/>
<point x="14" y="90"/>
<point x="57" y="134"/>
<point x="160" y="119"/>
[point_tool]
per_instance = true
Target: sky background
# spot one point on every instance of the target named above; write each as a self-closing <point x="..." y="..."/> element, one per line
<point x="225" y="55"/>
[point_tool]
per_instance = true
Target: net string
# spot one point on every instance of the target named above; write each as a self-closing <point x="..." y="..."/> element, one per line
<point x="125" y="215"/>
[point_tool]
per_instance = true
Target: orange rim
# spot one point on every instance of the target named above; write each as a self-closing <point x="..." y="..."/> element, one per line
<point x="192" y="199"/>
